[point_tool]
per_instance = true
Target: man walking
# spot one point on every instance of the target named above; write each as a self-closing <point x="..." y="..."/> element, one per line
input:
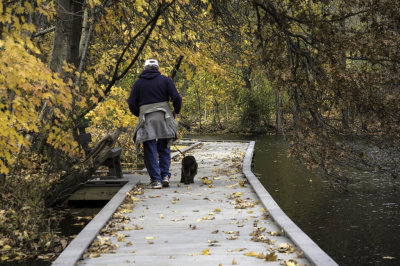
<point x="156" y="128"/>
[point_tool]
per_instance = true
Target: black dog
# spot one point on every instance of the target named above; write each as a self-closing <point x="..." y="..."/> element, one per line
<point x="189" y="169"/>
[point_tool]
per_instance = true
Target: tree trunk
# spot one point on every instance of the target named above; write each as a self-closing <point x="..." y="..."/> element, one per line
<point x="65" y="49"/>
<point x="82" y="171"/>
<point x="216" y="113"/>
<point x="279" y="115"/>
<point x="198" y="106"/>
<point x="85" y="28"/>
<point x="227" y="112"/>
<point x="67" y="34"/>
<point x="345" y="108"/>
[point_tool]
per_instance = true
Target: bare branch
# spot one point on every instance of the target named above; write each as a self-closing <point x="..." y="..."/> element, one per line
<point x="43" y="32"/>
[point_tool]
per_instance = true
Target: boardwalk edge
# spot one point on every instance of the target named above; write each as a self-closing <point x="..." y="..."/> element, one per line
<point x="73" y="252"/>
<point x="311" y="250"/>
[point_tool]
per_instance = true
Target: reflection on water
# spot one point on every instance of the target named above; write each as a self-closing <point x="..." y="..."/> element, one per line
<point x="361" y="227"/>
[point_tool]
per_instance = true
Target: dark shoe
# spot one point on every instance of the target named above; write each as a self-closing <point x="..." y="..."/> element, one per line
<point x="165" y="181"/>
<point x="156" y="185"/>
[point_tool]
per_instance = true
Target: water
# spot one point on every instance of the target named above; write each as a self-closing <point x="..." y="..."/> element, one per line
<point x="360" y="227"/>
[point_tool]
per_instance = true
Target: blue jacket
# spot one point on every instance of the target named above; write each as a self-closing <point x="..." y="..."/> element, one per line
<point x="152" y="87"/>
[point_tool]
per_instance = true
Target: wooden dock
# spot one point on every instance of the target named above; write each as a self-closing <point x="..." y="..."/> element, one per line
<point x="224" y="218"/>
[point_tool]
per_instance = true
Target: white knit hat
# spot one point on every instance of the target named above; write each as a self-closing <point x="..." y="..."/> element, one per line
<point x="151" y="62"/>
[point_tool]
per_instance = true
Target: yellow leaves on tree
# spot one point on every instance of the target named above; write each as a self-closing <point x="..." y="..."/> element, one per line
<point x="114" y="112"/>
<point x="25" y="85"/>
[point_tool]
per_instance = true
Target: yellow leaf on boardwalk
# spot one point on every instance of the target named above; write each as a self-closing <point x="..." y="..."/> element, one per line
<point x="121" y="237"/>
<point x="206" y="252"/>
<point x="271" y="257"/>
<point x="251" y="254"/>
<point x="124" y="211"/>
<point x="94" y="255"/>
<point x="291" y="262"/>
<point x="150" y="237"/>
<point x="206" y="181"/>
<point x="260" y="256"/>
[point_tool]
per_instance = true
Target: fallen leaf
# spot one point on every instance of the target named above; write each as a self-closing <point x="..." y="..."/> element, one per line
<point x="94" y="255"/>
<point x="299" y="254"/>
<point x="130" y="243"/>
<point x="206" y="252"/>
<point x="275" y="233"/>
<point x="124" y="211"/>
<point x="161" y="216"/>
<point x="260" y="256"/>
<point x="206" y="181"/>
<point x="291" y="262"/>
<point x="271" y="257"/>
<point x="285" y="247"/>
<point x="234" y="262"/>
<point x="120" y="237"/>
<point x="251" y="254"/>
<point x="150" y="237"/>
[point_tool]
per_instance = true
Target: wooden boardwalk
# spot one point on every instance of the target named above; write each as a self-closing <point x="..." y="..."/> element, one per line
<point x="218" y="220"/>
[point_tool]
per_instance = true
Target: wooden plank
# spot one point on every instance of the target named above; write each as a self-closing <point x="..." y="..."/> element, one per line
<point x="184" y="221"/>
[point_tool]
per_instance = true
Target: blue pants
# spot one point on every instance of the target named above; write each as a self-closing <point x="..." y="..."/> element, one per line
<point x="157" y="158"/>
